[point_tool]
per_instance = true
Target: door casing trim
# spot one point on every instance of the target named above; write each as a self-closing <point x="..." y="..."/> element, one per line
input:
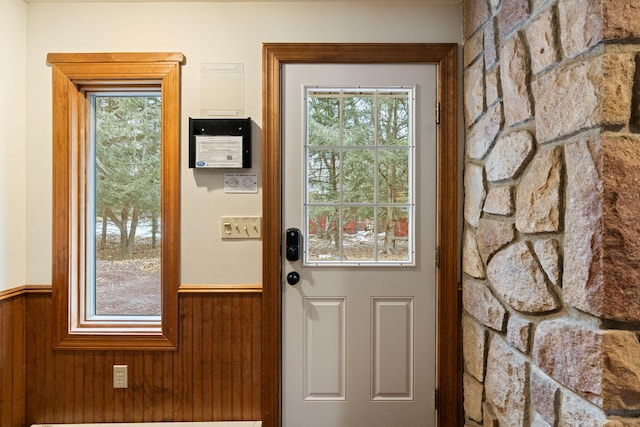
<point x="445" y="56"/>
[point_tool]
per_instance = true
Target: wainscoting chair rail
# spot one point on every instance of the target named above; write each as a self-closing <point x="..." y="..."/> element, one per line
<point x="163" y="424"/>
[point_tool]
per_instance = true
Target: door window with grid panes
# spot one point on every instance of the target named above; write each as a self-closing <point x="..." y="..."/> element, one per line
<point x="359" y="151"/>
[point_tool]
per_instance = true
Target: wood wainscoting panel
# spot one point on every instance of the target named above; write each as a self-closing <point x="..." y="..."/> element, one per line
<point x="12" y="371"/>
<point x="215" y="374"/>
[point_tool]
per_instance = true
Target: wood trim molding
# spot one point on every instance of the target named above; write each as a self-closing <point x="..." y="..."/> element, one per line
<point x="445" y="55"/>
<point x="71" y="74"/>
<point x="22" y="290"/>
<point x="102" y="57"/>
<point x="218" y="288"/>
<point x="183" y="289"/>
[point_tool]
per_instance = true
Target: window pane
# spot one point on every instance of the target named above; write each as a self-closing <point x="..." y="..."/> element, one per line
<point x="323" y="176"/>
<point x="358" y="176"/>
<point x="323" y="237"/>
<point x="323" y="120"/>
<point x="359" y="119"/>
<point x="393" y="128"/>
<point x="358" y="234"/>
<point x="393" y="167"/>
<point x="393" y="233"/>
<point x="127" y="206"/>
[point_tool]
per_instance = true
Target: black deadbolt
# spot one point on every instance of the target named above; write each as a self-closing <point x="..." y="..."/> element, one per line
<point x="293" y="240"/>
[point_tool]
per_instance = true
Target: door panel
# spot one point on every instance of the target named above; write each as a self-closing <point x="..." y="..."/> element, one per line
<point x="359" y="340"/>
<point x="324" y="348"/>
<point x="392" y="372"/>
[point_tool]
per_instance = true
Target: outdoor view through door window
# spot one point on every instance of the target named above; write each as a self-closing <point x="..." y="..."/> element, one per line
<point x="126" y="176"/>
<point x="359" y="168"/>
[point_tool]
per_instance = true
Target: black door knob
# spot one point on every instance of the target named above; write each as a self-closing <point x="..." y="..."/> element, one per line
<point x="293" y="278"/>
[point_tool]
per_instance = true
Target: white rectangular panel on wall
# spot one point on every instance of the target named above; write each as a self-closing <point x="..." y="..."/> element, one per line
<point x="222" y="92"/>
<point x="392" y="348"/>
<point x="324" y="348"/>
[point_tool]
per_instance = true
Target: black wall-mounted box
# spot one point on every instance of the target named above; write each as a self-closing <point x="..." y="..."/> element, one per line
<point x="220" y="143"/>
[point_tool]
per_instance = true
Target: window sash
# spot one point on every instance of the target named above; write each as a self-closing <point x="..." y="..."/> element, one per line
<point x="342" y="149"/>
<point x="88" y="307"/>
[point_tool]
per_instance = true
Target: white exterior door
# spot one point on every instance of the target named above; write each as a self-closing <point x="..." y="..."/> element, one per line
<point x="359" y="327"/>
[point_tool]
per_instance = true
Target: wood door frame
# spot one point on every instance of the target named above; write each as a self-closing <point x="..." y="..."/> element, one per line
<point x="445" y="56"/>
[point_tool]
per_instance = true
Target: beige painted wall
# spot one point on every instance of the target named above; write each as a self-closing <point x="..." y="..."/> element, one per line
<point x="12" y="143"/>
<point x="204" y="32"/>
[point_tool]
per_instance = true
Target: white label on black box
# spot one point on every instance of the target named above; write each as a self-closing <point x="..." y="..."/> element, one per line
<point x="218" y="151"/>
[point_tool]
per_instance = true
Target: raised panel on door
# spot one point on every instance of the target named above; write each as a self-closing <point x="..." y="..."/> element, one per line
<point x="324" y="349"/>
<point x="392" y="348"/>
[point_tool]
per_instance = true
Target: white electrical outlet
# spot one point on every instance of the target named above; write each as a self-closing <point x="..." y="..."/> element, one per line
<point x="120" y="376"/>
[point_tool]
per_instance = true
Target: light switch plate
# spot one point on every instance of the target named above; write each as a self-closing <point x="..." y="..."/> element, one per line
<point x="241" y="227"/>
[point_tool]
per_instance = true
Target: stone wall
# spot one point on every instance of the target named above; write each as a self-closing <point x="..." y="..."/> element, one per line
<point x="551" y="253"/>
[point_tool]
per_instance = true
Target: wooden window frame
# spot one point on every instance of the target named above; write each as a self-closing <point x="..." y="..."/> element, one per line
<point x="74" y="74"/>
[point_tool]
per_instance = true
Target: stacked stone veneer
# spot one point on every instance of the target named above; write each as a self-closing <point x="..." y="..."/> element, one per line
<point x="551" y="253"/>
